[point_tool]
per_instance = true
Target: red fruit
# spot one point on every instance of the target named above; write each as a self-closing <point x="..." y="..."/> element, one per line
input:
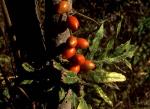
<point x="78" y="59"/>
<point x="63" y="7"/>
<point x="72" y="41"/>
<point x="88" y="65"/>
<point x="68" y="53"/>
<point x="75" y="68"/>
<point x="73" y="23"/>
<point x="82" y="43"/>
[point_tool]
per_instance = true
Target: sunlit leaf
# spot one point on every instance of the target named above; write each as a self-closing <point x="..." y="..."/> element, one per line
<point x="102" y="76"/>
<point x="24" y="82"/>
<point x="102" y="94"/>
<point x="114" y="77"/>
<point x="28" y="67"/>
<point x="82" y="104"/>
<point x="69" y="77"/>
<point x="96" y="41"/>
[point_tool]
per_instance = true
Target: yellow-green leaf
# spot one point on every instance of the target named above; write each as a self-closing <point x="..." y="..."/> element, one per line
<point x="102" y="94"/>
<point x="6" y="93"/>
<point x="96" y="41"/>
<point x="4" y="58"/>
<point x="69" y="77"/>
<point x="62" y="94"/>
<point x="114" y="77"/>
<point x="28" y="67"/>
<point x="82" y="104"/>
<point x="26" y="82"/>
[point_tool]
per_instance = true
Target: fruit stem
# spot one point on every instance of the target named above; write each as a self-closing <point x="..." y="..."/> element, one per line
<point x="80" y="14"/>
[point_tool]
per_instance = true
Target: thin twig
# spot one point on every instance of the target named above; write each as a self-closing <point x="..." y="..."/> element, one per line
<point x="89" y="18"/>
<point x="6" y="13"/>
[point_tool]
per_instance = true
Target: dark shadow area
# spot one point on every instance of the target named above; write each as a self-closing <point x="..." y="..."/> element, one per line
<point x="29" y="42"/>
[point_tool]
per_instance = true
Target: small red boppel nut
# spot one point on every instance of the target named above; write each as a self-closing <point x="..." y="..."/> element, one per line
<point x="75" y="68"/>
<point x="63" y="7"/>
<point x="73" y="23"/>
<point x="82" y="43"/>
<point x="88" y="65"/>
<point x="78" y="59"/>
<point x="68" y="53"/>
<point x="72" y="41"/>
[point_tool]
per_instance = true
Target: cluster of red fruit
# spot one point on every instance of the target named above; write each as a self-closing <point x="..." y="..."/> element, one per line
<point x="78" y="61"/>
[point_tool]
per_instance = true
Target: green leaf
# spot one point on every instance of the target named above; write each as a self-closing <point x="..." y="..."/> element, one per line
<point x="108" y="48"/>
<point x="127" y="63"/>
<point x="74" y="100"/>
<point x="4" y="58"/>
<point x="122" y="48"/>
<point x="24" y="82"/>
<point x="62" y="94"/>
<point x="57" y="65"/>
<point x="28" y="67"/>
<point x="114" y="77"/>
<point x="102" y="94"/>
<point x="96" y="41"/>
<point x="6" y="93"/>
<point x="89" y="106"/>
<point x="82" y="104"/>
<point x="102" y="76"/>
<point x="119" y="26"/>
<point x="69" y="77"/>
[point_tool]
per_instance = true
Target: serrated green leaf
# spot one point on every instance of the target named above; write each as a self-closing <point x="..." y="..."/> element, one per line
<point x="108" y="48"/>
<point x="28" y="67"/>
<point x="69" y="77"/>
<point x="6" y="93"/>
<point x="114" y="77"/>
<point x="102" y="76"/>
<point x="122" y="48"/>
<point x="96" y="41"/>
<point x="24" y="82"/>
<point x="62" y="94"/>
<point x="82" y="104"/>
<point x="102" y="94"/>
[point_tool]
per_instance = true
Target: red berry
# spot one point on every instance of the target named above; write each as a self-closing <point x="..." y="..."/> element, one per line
<point x="63" y="7"/>
<point x="78" y="59"/>
<point x="73" y="23"/>
<point x="72" y="41"/>
<point x="88" y="65"/>
<point x="68" y="53"/>
<point x="75" y="68"/>
<point x="82" y="43"/>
